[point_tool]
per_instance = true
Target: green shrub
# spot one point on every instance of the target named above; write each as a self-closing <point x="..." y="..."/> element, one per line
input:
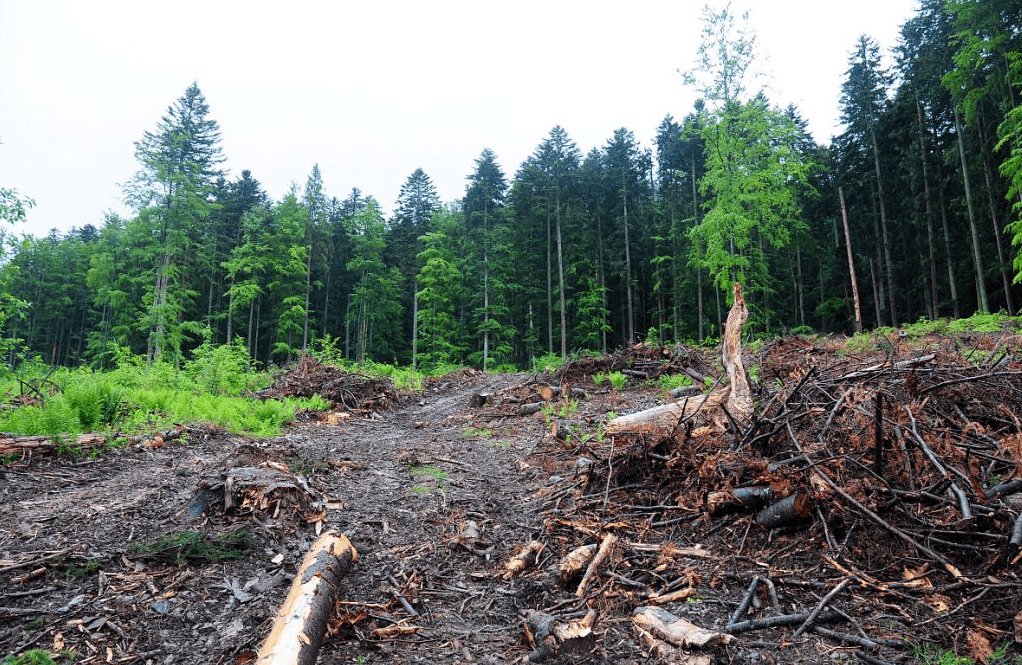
<point x="671" y="381"/>
<point x="618" y="380"/>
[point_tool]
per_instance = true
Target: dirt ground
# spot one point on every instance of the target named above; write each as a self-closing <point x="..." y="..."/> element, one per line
<point x="95" y="556"/>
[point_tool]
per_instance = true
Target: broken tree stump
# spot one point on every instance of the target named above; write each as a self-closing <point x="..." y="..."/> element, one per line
<point x="735" y="398"/>
<point x="675" y="630"/>
<point x="550" y="636"/>
<point x="298" y="629"/>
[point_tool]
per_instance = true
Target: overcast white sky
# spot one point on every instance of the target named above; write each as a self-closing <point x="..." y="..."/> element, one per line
<point x="375" y="89"/>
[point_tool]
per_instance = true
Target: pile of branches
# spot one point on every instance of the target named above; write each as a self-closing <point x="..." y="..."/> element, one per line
<point x="351" y="390"/>
<point x="882" y="491"/>
<point x="641" y="361"/>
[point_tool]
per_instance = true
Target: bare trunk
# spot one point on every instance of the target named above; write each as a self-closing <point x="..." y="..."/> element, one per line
<point x="929" y="214"/>
<point x="851" y="262"/>
<point x="883" y="228"/>
<point x="981" y="288"/>
<point x="1003" y="262"/>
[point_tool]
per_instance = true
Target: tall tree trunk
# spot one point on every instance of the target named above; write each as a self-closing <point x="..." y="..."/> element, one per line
<point x="934" y="300"/>
<point x="981" y="289"/>
<point x="628" y="277"/>
<point x="1003" y="262"/>
<point x="883" y="228"/>
<point x="877" y="294"/>
<point x="549" y="283"/>
<point x="560" y="282"/>
<point x="947" y="249"/>
<point x="851" y="262"/>
<point x="415" y="326"/>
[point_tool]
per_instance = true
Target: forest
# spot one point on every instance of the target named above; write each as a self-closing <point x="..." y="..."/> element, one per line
<point x="913" y="212"/>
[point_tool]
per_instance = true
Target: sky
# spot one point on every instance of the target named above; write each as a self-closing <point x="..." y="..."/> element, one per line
<point x="373" y="90"/>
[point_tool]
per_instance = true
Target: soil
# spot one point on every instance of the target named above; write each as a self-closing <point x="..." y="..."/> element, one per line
<point x="131" y="556"/>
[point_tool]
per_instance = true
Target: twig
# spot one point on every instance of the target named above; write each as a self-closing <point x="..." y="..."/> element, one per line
<point x="965" y="379"/>
<point x="782" y="620"/>
<point x="33" y="562"/>
<point x="820" y="606"/>
<point x="743" y="606"/>
<point x="845" y="637"/>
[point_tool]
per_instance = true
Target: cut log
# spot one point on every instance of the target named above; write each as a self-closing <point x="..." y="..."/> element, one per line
<point x="528" y="556"/>
<point x="549" y="393"/>
<point x="298" y="629"/>
<point x="49" y="445"/>
<point x="571" y="565"/>
<point x="663" y="421"/>
<point x="550" y="636"/>
<point x="738" y="498"/>
<point x="789" y="510"/>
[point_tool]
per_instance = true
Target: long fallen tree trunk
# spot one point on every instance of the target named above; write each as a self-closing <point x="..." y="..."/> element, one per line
<point x="731" y="402"/>
<point x="301" y="621"/>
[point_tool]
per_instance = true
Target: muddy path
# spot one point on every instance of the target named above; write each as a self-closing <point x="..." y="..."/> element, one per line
<point x="78" y="570"/>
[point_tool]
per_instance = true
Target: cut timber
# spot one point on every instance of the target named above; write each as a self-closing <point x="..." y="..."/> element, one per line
<point x="663" y="421"/>
<point x="479" y="400"/>
<point x="789" y="510"/>
<point x="29" y="445"/>
<point x="548" y="393"/>
<point x="738" y="498"/>
<point x="301" y="621"/>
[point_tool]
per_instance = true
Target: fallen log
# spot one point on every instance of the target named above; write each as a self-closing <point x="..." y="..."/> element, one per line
<point x="606" y="547"/>
<point x="300" y="623"/>
<point x="528" y="556"/>
<point x="737" y="499"/>
<point x="29" y="445"/>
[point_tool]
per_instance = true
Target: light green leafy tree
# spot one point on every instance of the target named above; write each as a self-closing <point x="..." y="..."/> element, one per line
<point x="751" y="167"/>
<point x="438" y="280"/>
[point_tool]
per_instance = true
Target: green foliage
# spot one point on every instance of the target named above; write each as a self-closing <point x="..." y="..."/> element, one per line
<point x="618" y="380"/>
<point x="548" y="362"/>
<point x="183" y="546"/>
<point x="599" y="378"/>
<point x="30" y="657"/>
<point x="985" y="323"/>
<point x="222" y="369"/>
<point x="474" y="431"/>
<point x="669" y="382"/>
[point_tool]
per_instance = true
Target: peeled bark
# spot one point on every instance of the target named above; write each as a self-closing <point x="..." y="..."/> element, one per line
<point x="300" y="624"/>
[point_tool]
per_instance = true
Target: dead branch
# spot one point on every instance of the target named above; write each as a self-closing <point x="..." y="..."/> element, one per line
<point x="601" y="555"/>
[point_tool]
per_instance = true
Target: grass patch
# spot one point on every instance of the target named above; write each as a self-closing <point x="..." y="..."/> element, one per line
<point x="40" y="657"/>
<point x="475" y="431"/>
<point x="182" y="546"/>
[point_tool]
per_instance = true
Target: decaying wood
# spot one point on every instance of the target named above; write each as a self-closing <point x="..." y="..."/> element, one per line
<point x="528" y="556"/>
<point x="298" y="629"/>
<point x="550" y="636"/>
<point x="572" y="564"/>
<point x="676" y="630"/>
<point x="606" y="547"/>
<point x="48" y="445"/>
<point x="724" y="404"/>
<point x="820" y="606"/>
